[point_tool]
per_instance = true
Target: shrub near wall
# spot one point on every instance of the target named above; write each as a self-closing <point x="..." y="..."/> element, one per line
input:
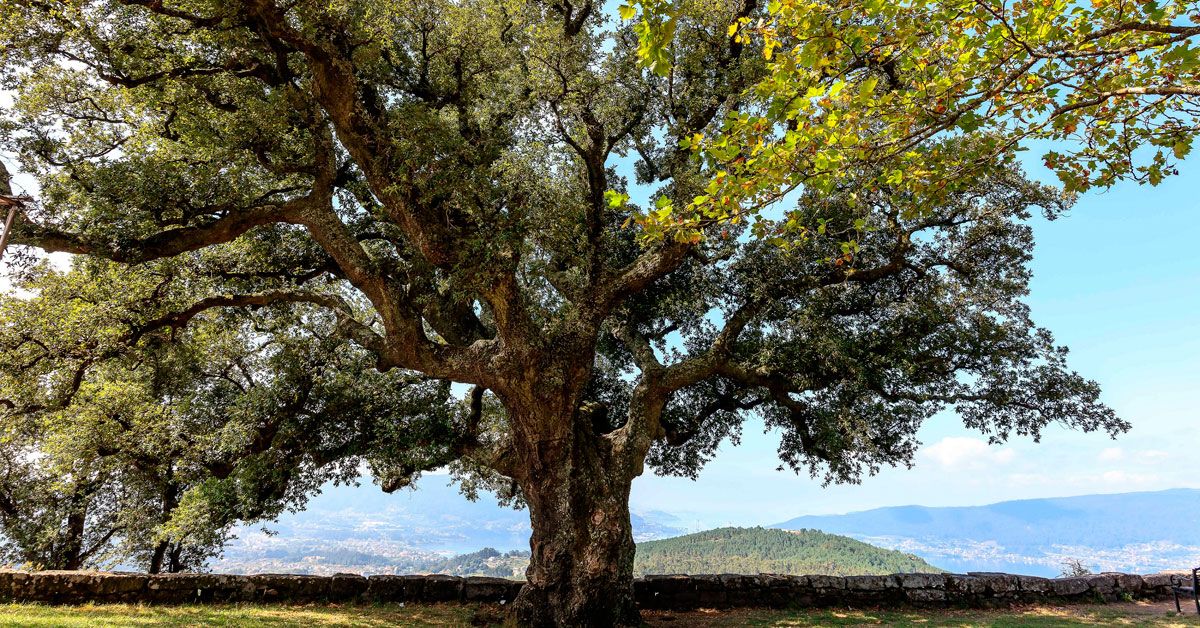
<point x="665" y="592"/>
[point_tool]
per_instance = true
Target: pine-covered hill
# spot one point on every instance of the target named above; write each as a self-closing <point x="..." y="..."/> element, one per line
<point x="764" y="550"/>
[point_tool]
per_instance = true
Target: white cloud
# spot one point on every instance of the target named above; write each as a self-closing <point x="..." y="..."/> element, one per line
<point x="1140" y="456"/>
<point x="1126" y="479"/>
<point x="960" y="452"/>
<point x="1151" y="456"/>
<point x="1028" y="479"/>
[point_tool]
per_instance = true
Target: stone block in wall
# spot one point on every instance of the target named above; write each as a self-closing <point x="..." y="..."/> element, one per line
<point x="925" y="597"/>
<point x="177" y="588"/>
<point x="1034" y="586"/>
<point x="872" y="591"/>
<point x="346" y="587"/>
<point x="290" y="587"/>
<point x="440" y="588"/>
<point x="1102" y="584"/>
<point x="827" y="582"/>
<point x="1069" y="587"/>
<point x="710" y="591"/>
<point x="490" y="590"/>
<point x="922" y="580"/>
<point x="118" y="586"/>
<point x="781" y="590"/>
<point x="673" y="591"/>
<point x="390" y="589"/>
<point x="1128" y="583"/>
<point x="1157" y="580"/>
<point x="871" y="583"/>
<point x="997" y="583"/>
<point x="736" y="583"/>
<point x="1158" y="586"/>
<point x="966" y="585"/>
<point x="742" y="590"/>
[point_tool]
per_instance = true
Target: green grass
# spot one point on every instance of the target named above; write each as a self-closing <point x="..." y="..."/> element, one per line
<point x="268" y="616"/>
<point x="1157" y="615"/>
<point x="115" y="615"/>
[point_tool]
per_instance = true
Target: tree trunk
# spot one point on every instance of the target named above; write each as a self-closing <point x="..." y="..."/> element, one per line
<point x="581" y="570"/>
<point x="176" y="564"/>
<point x="72" y="548"/>
<point x="156" y="558"/>
<point x="160" y="557"/>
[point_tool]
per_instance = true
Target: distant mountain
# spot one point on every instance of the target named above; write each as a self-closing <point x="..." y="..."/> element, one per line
<point x="762" y="550"/>
<point x="361" y="529"/>
<point x="1136" y="532"/>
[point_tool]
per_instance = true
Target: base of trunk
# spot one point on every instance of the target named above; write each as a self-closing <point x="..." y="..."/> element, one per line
<point x="585" y="606"/>
<point x="581" y="565"/>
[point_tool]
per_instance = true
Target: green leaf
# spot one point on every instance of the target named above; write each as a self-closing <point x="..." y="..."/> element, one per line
<point x="615" y="199"/>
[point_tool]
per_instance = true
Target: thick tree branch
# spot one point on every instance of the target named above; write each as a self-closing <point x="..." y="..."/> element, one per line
<point x="179" y="320"/>
<point x="167" y="243"/>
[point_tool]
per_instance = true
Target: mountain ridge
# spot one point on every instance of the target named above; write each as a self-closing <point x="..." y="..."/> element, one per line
<point x="1135" y="531"/>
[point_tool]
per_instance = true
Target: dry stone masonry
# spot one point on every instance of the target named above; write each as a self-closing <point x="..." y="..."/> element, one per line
<point x="653" y="592"/>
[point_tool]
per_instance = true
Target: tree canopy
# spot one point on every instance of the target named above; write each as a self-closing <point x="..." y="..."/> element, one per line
<point x="1113" y="85"/>
<point x="148" y="451"/>
<point x="420" y="192"/>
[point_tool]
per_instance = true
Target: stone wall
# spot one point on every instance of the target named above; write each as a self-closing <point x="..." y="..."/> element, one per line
<point x="666" y="592"/>
<point x="977" y="590"/>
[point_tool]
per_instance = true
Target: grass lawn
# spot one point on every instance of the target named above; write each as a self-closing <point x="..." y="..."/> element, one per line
<point x="1157" y="614"/>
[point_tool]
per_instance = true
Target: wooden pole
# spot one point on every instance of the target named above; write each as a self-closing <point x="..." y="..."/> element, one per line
<point x="12" y="214"/>
<point x="7" y="200"/>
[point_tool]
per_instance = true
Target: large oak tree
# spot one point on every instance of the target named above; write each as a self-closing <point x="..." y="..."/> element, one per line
<point x="837" y="240"/>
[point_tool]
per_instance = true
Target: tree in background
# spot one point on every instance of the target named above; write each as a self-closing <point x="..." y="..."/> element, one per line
<point x="1074" y="568"/>
<point x="149" y="452"/>
<point x="435" y="181"/>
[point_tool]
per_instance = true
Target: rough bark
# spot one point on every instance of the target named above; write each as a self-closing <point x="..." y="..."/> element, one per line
<point x="581" y="569"/>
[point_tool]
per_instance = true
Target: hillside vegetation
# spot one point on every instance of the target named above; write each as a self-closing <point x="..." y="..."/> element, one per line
<point x="763" y="550"/>
<point x="485" y="562"/>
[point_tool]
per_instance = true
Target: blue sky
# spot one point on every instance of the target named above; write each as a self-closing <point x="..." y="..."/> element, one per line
<point x="1118" y="281"/>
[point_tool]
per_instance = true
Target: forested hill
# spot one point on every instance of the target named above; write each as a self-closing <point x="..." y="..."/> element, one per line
<point x="762" y="550"/>
<point x="1131" y="532"/>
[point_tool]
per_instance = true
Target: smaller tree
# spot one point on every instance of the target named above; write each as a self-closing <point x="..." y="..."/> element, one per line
<point x="1074" y="568"/>
<point x="53" y="516"/>
<point x="151" y="452"/>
